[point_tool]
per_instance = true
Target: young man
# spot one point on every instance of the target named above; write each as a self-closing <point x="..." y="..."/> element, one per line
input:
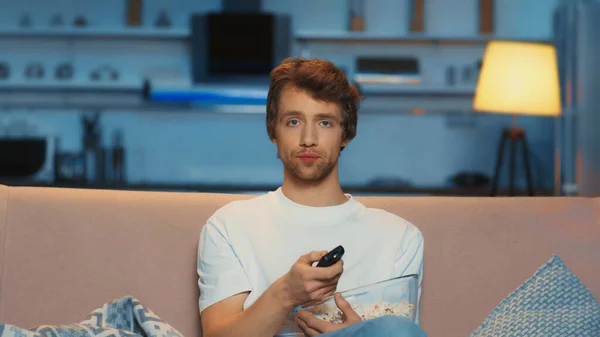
<point x="255" y="257"/>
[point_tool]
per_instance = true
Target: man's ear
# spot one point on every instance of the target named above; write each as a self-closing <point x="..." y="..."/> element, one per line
<point x="274" y="141"/>
<point x="345" y="142"/>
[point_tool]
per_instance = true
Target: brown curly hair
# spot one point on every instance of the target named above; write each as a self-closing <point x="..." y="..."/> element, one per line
<point x="324" y="81"/>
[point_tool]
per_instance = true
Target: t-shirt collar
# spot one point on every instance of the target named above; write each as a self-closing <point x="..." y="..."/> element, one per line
<point x="326" y="215"/>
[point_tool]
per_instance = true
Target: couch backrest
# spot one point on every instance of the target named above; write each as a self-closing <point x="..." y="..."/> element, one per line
<point x="66" y="252"/>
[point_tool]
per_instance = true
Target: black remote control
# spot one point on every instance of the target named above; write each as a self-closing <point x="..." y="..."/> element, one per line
<point x="332" y="257"/>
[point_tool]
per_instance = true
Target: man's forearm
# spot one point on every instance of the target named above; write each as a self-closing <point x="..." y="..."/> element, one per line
<point x="264" y="318"/>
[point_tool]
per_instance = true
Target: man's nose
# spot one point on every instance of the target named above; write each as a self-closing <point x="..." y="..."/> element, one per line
<point x="308" y="136"/>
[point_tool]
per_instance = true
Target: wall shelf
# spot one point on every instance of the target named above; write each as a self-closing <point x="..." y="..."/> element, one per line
<point x="413" y="39"/>
<point x="417" y="90"/>
<point x="97" y="33"/>
<point x="66" y="87"/>
<point x="302" y="36"/>
<point x="45" y="95"/>
<point x="217" y="99"/>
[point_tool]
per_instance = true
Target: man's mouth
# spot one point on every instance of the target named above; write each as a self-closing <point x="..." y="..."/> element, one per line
<point x="309" y="157"/>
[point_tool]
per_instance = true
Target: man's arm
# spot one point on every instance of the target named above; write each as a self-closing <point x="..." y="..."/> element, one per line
<point x="264" y="318"/>
<point x="267" y="316"/>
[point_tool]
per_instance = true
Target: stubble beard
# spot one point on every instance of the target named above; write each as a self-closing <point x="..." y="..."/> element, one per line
<point x="310" y="173"/>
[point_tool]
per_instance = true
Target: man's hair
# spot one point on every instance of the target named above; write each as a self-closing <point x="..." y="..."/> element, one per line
<point x="323" y="81"/>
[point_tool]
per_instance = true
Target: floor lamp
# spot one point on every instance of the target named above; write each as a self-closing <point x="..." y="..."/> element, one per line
<point x="517" y="78"/>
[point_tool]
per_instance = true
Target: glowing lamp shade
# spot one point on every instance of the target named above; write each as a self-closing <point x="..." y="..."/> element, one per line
<point x="518" y="78"/>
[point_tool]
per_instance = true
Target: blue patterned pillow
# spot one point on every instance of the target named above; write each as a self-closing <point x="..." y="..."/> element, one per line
<point x="125" y="317"/>
<point x="553" y="302"/>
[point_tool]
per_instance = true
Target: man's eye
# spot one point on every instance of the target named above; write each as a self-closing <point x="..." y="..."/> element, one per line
<point x="293" y="122"/>
<point x="326" y="123"/>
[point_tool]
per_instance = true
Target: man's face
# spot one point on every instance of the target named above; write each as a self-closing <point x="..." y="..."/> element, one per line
<point x="308" y="135"/>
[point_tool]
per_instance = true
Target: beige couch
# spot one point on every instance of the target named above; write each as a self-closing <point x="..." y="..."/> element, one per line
<point x="66" y="252"/>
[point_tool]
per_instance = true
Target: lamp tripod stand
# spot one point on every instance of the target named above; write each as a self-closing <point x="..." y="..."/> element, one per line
<point x="515" y="135"/>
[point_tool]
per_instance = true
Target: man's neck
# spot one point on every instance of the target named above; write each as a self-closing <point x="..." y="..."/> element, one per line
<point x="322" y="194"/>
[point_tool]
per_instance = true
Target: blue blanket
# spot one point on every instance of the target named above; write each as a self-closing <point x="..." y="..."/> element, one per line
<point x="125" y="317"/>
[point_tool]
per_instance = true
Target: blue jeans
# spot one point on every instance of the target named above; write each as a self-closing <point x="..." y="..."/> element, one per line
<point x="386" y="326"/>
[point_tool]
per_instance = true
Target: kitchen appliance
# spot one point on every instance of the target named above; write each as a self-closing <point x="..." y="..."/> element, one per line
<point x="22" y="157"/>
<point x="68" y="166"/>
<point x="94" y="153"/>
<point x="388" y="70"/>
<point x="116" y="170"/>
<point x="575" y="28"/>
<point x="238" y="47"/>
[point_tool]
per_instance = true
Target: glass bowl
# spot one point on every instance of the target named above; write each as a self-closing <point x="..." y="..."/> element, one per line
<point x="393" y="297"/>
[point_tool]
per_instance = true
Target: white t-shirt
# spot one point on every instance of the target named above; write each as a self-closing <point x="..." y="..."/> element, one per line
<point x="247" y="245"/>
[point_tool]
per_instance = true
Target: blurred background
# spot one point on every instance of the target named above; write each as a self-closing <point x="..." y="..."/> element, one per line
<point x="169" y="95"/>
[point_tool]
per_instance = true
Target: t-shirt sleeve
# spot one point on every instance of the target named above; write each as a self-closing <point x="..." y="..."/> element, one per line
<point x="220" y="271"/>
<point x="410" y="261"/>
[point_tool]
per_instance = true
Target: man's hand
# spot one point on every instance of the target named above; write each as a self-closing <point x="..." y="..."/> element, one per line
<point x="305" y="283"/>
<point x="313" y="326"/>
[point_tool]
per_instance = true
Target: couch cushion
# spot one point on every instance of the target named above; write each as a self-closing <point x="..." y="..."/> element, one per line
<point x="70" y="251"/>
<point x="553" y="302"/>
<point x="478" y="250"/>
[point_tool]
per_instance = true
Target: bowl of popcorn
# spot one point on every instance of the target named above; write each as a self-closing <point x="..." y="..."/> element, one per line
<point x="394" y="297"/>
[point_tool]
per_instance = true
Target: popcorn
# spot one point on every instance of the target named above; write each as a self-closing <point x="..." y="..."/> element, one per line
<point x="331" y="313"/>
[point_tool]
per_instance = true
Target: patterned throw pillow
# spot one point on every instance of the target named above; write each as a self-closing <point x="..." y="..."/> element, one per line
<point x="553" y="302"/>
<point x="125" y="317"/>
